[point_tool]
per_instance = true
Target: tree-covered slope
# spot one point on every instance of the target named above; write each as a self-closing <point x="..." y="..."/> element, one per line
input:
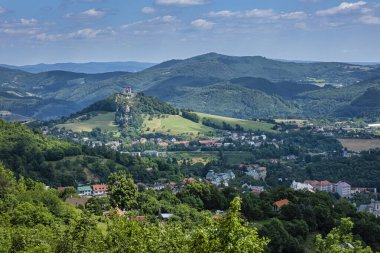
<point x="224" y="67"/>
<point x="234" y="101"/>
<point x="357" y="100"/>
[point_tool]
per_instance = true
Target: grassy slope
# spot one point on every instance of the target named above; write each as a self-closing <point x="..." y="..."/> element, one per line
<point x="170" y="124"/>
<point x="103" y="120"/>
<point x="176" y="124"/>
<point x="246" y="124"/>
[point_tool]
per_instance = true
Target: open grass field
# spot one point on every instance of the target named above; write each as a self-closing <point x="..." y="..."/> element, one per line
<point x="246" y="124"/>
<point x="103" y="120"/>
<point x="358" y="145"/>
<point x="174" y="125"/>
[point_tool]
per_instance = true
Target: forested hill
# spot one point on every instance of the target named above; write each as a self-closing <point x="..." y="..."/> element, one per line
<point x="141" y="104"/>
<point x="225" y="67"/>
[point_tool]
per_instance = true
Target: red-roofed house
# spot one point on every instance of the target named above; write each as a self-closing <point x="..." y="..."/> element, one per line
<point x="324" y="186"/>
<point x="207" y="143"/>
<point x="278" y="204"/>
<point x="137" y="218"/>
<point x="188" y="180"/>
<point x="163" y="144"/>
<point x="99" y="189"/>
<point x="185" y="143"/>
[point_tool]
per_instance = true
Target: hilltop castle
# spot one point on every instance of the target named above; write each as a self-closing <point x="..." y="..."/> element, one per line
<point x="127" y="91"/>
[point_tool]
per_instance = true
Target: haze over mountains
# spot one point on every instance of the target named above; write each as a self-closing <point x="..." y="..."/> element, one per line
<point x="88" y="67"/>
<point x="243" y="87"/>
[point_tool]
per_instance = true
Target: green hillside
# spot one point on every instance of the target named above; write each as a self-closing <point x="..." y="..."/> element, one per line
<point x="149" y="115"/>
<point x="104" y="121"/>
<point x="174" y="125"/>
<point x="246" y="124"/>
<point x="357" y="100"/>
<point x="234" y="101"/>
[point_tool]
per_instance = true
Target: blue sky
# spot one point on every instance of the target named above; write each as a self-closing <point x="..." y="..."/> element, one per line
<point x="48" y="31"/>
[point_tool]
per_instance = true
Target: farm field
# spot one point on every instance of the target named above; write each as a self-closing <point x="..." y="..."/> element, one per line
<point x="358" y="145"/>
<point x="246" y="124"/>
<point x="103" y="121"/>
<point x="174" y="125"/>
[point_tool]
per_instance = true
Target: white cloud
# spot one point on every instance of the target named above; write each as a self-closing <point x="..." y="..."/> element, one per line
<point x="94" y="13"/>
<point x="47" y="37"/>
<point x="370" y="20"/>
<point x="181" y="2"/>
<point x="148" y="10"/>
<point x="344" y="7"/>
<point x="259" y="13"/>
<point x="90" y="13"/>
<point x="294" y="15"/>
<point x="31" y="21"/>
<point x="225" y="13"/>
<point x="19" y="31"/>
<point x="153" y="21"/>
<point x="202" y="24"/>
<point x="86" y="33"/>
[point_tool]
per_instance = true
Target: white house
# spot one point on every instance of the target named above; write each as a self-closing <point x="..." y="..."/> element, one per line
<point x="343" y="189"/>
<point x="301" y="186"/>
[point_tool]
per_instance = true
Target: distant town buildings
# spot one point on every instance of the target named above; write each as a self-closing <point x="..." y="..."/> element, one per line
<point x="84" y="191"/>
<point x="373" y="207"/>
<point x="343" y="189"/>
<point x="255" y="171"/>
<point x="220" y="179"/>
<point x="297" y="186"/>
<point x="324" y="186"/>
<point x="96" y="190"/>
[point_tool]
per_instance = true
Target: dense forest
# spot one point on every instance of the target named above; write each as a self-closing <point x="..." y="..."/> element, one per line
<point x="35" y="219"/>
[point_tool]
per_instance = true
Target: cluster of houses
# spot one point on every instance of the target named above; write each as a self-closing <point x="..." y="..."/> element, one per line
<point x="256" y="171"/>
<point x="220" y="179"/>
<point x="96" y="190"/>
<point x="343" y="189"/>
<point x="253" y="188"/>
<point x="373" y="207"/>
<point x="147" y="153"/>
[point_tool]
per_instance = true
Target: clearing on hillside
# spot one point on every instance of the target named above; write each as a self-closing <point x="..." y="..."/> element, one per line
<point x="174" y="125"/>
<point x="195" y="156"/>
<point x="104" y="121"/>
<point x="358" y="145"/>
<point x="298" y="122"/>
<point x="246" y="124"/>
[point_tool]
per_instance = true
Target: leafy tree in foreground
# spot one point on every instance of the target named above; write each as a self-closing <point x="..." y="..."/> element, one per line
<point x="122" y="191"/>
<point x="228" y="234"/>
<point x="340" y="240"/>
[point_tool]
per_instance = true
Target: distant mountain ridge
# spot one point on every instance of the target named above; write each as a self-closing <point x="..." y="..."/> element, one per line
<point x="88" y="67"/>
<point x="245" y="87"/>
